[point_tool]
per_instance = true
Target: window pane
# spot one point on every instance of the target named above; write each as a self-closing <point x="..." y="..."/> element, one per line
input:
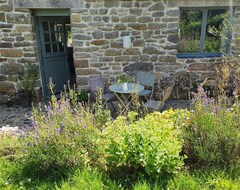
<point x="55" y="49"/>
<point x="45" y="26"/>
<point x="48" y="48"/>
<point x="46" y="37"/>
<point x="52" y="26"/>
<point x="61" y="46"/>
<point x="214" y="20"/>
<point x="190" y="31"/>
<point x="54" y="37"/>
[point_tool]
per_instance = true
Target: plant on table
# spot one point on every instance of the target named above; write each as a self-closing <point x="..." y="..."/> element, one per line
<point x="124" y="78"/>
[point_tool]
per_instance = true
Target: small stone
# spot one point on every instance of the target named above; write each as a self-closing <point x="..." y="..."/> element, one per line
<point x="131" y="51"/>
<point x="18" y="18"/>
<point x="173" y="38"/>
<point x="120" y="26"/>
<point x="11" y="52"/>
<point x="11" y="69"/>
<point x="7" y="87"/>
<point x="127" y="4"/>
<point x="82" y="37"/>
<point x="115" y="19"/>
<point x="103" y="11"/>
<point x="2" y="17"/>
<point x="174" y="13"/>
<point x="130" y="18"/>
<point x="112" y="35"/>
<point x="97" y="18"/>
<point x="86" y="71"/>
<point x="151" y="50"/>
<point x="112" y="52"/>
<point x="145" y="19"/>
<point x="87" y="18"/>
<point x="81" y="63"/>
<point x="139" y="43"/>
<point x="137" y="12"/>
<point x="97" y="34"/>
<point x="106" y="18"/>
<point x="111" y="3"/>
<point x="99" y="42"/>
<point x="158" y="14"/>
<point x="6" y="45"/>
<point x="157" y="7"/>
<point x="137" y="26"/>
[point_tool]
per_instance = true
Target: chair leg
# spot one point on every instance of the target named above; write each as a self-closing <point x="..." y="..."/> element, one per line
<point x="113" y="106"/>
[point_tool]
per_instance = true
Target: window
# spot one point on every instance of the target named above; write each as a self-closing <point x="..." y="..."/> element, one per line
<point x="195" y="40"/>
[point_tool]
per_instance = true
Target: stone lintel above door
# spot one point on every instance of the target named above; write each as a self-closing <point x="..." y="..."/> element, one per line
<point x="41" y="4"/>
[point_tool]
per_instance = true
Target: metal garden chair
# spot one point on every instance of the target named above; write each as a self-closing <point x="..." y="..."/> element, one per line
<point x="158" y="105"/>
<point x="96" y="85"/>
<point x="147" y="80"/>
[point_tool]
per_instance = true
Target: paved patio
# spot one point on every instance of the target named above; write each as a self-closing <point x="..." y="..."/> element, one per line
<point x="17" y="116"/>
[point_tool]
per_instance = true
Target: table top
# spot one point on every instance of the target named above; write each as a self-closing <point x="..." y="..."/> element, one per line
<point x="126" y="88"/>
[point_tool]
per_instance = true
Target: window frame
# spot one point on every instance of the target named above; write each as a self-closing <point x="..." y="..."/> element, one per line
<point x="201" y="53"/>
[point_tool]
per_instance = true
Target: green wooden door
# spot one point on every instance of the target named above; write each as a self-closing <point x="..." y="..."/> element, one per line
<point x="54" y="53"/>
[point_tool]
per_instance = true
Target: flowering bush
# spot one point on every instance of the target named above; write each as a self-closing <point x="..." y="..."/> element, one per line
<point x="150" y="145"/>
<point x="214" y="129"/>
<point x="63" y="135"/>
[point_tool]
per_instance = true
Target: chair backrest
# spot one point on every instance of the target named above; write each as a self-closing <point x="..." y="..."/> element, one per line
<point x="95" y="83"/>
<point x="145" y="79"/>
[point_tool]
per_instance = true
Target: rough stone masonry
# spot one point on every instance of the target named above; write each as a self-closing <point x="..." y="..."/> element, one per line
<point x="97" y="30"/>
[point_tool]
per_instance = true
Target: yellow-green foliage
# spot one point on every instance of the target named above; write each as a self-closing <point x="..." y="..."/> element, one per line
<point x="151" y="144"/>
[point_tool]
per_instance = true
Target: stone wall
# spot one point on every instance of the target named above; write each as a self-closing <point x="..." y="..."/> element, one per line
<point x="17" y="46"/>
<point x="97" y="29"/>
<point x="153" y="27"/>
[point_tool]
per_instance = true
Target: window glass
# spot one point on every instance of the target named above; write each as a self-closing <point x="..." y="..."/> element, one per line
<point x="48" y="48"/>
<point x="54" y="37"/>
<point x="46" y="37"/>
<point x="194" y="31"/>
<point x="190" y="31"/>
<point x="214" y="19"/>
<point x="55" y="48"/>
<point x="52" y="26"/>
<point x="45" y="26"/>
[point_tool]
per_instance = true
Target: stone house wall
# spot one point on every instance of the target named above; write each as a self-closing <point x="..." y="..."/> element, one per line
<point x="97" y="30"/>
<point x="17" y="46"/>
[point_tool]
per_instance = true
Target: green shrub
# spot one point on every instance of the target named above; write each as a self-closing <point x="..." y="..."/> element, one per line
<point x="213" y="133"/>
<point x="149" y="146"/>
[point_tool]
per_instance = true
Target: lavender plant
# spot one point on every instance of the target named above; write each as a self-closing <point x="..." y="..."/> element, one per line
<point x="214" y="129"/>
<point x="63" y="135"/>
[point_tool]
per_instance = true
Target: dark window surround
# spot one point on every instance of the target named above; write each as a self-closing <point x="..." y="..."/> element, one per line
<point x="201" y="54"/>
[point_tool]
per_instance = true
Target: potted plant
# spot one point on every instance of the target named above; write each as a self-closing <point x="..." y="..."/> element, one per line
<point x="27" y="77"/>
<point x="124" y="78"/>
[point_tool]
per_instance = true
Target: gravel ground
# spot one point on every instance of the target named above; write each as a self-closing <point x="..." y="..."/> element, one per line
<point x="17" y="116"/>
<point x="14" y="116"/>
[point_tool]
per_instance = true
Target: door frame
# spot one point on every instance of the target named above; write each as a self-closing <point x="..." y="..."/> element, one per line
<point x="40" y="13"/>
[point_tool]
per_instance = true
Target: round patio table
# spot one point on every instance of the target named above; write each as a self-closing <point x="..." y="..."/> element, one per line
<point x="126" y="93"/>
<point x="131" y="88"/>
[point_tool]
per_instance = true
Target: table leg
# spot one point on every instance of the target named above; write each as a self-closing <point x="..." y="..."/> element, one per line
<point x="126" y="101"/>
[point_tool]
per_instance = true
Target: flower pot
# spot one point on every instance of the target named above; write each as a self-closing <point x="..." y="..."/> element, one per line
<point x="25" y="99"/>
